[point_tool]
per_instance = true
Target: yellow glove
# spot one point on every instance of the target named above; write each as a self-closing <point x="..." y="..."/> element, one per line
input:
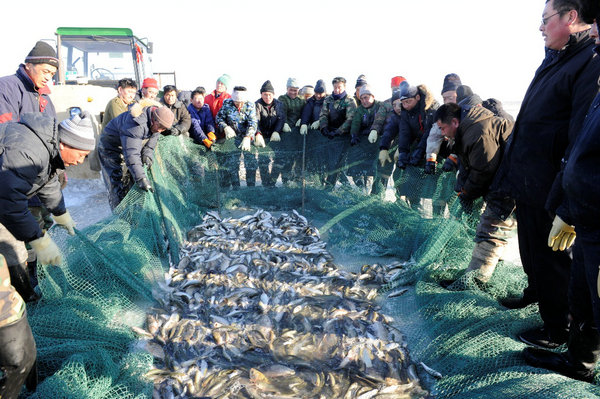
<point x="303" y="129"/>
<point x="298" y="122"/>
<point x="384" y="156"/>
<point x="65" y="221"/>
<point x="259" y="141"/>
<point x="46" y="250"/>
<point x="315" y="125"/>
<point x="286" y="128"/>
<point x="275" y="137"/>
<point x="229" y="132"/>
<point x="561" y="235"/>
<point x="245" y="146"/>
<point x="372" y="136"/>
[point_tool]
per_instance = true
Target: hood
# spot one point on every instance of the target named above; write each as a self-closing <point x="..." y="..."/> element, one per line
<point x="44" y="127"/>
<point x="427" y="98"/>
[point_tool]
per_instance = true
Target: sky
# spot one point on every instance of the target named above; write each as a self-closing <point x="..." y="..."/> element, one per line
<point x="495" y="47"/>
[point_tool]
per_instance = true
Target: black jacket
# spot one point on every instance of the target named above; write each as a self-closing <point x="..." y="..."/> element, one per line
<point x="270" y="117"/>
<point x="312" y="110"/>
<point x="182" y="120"/>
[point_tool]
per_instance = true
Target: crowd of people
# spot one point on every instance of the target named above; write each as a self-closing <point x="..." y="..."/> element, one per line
<point x="536" y="172"/>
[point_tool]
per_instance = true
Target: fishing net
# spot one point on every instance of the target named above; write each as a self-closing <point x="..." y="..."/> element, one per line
<point x="83" y="324"/>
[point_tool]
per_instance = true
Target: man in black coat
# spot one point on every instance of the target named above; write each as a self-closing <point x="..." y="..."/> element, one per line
<point x="550" y="117"/>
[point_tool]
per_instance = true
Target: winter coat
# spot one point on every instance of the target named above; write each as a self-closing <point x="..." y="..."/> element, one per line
<point x="381" y="117"/>
<point x="18" y="95"/>
<point x="292" y="109"/>
<point x="337" y="114"/>
<point x="29" y="160"/>
<point x="312" y="110"/>
<point x="479" y="143"/>
<point x="215" y="101"/>
<point x="270" y="117"/>
<point x="182" y="121"/>
<point x="114" y="108"/>
<point x="202" y="122"/>
<point x="244" y="121"/>
<point x="363" y="119"/>
<point x="129" y="134"/>
<point x="550" y="118"/>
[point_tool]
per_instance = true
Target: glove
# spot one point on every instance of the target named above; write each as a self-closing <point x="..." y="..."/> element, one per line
<point x="396" y="155"/>
<point x="451" y="163"/>
<point x="384" y="156"/>
<point x="259" y="141"/>
<point x="315" y="125"/>
<point x="298" y="122"/>
<point x="46" y="250"/>
<point x="144" y="184"/>
<point x="416" y="156"/>
<point x="403" y="160"/>
<point x="65" y="221"/>
<point x="275" y="137"/>
<point x="229" y="132"/>
<point x="207" y="143"/>
<point x="430" y="167"/>
<point x="303" y="129"/>
<point x="561" y="235"/>
<point x="373" y="136"/>
<point x="466" y="203"/>
<point x="147" y="160"/>
<point x="354" y="140"/>
<point x="174" y="131"/>
<point x="212" y="136"/>
<point x="334" y="133"/>
<point x="245" y="146"/>
<point x="286" y="128"/>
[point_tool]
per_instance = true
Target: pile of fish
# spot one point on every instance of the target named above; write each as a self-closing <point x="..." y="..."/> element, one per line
<point x="257" y="309"/>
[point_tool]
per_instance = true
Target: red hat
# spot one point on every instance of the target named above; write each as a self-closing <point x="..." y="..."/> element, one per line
<point x="150" y="82"/>
<point x="396" y="80"/>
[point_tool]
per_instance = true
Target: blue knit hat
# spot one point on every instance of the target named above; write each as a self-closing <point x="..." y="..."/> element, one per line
<point x="320" y="86"/>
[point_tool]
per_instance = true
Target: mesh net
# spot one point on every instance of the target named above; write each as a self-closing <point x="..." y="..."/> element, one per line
<point x="82" y="326"/>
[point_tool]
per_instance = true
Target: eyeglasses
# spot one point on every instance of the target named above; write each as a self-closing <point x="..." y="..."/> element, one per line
<point x="545" y="20"/>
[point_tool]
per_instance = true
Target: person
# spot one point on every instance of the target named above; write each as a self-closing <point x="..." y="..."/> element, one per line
<point x="479" y="138"/>
<point x="550" y="117"/>
<point x="271" y="118"/>
<point x="306" y="92"/>
<point x="360" y="82"/>
<point x="238" y="123"/>
<point x="334" y="123"/>
<point x="309" y="126"/>
<point x="202" y="128"/>
<point x="289" y="152"/>
<point x="129" y="140"/>
<point x="149" y="89"/>
<point x="182" y="121"/>
<point x="219" y="94"/>
<point x="362" y="153"/>
<point x="33" y="150"/>
<point x="126" y="90"/>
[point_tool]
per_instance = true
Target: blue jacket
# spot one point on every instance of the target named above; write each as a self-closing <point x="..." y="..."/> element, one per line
<point x="129" y="134"/>
<point x="202" y="123"/>
<point x="29" y="159"/>
<point x="19" y="95"/>
<point x="312" y="110"/>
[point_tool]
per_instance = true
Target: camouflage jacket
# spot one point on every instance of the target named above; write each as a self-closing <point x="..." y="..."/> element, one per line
<point x="12" y="305"/>
<point x="363" y="119"/>
<point x="382" y="115"/>
<point x="337" y="114"/>
<point x="292" y="109"/>
<point x="244" y="121"/>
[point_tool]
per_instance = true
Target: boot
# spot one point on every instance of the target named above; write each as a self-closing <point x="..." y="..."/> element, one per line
<point x="19" y="278"/>
<point x="485" y="258"/>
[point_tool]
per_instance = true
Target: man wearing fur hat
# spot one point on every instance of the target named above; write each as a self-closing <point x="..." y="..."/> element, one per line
<point x="129" y="140"/>
<point x="219" y="94"/>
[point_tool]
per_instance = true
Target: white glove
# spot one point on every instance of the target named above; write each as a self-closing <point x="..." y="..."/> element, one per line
<point x="298" y="122"/>
<point x="303" y="129"/>
<point x="229" y="132"/>
<point x="65" y="221"/>
<point x="315" y="125"/>
<point x="245" y="146"/>
<point x="46" y="250"/>
<point x="259" y="141"/>
<point x="561" y="235"/>
<point x="373" y="136"/>
<point x="384" y="156"/>
<point x="275" y="137"/>
<point x="286" y="128"/>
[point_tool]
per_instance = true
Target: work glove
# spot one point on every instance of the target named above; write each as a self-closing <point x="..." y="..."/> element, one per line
<point x="207" y="143"/>
<point x="315" y="125"/>
<point x="372" y="136"/>
<point x="403" y="160"/>
<point x="561" y="235"/>
<point x="298" y="122"/>
<point x="46" y="250"/>
<point x="229" y="132"/>
<point x="174" y="131"/>
<point x="451" y="163"/>
<point x="212" y="136"/>
<point x="66" y="222"/>
<point x="245" y="146"/>
<point x="430" y="167"/>
<point x="147" y="160"/>
<point x="354" y="140"/>
<point x="259" y="141"/>
<point x="384" y="156"/>
<point x="417" y="156"/>
<point x="286" y="128"/>
<point x="144" y="184"/>
<point x="466" y="202"/>
<point x="303" y="129"/>
<point x="275" y="137"/>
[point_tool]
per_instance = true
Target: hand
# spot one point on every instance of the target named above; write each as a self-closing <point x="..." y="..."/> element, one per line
<point x="275" y="137"/>
<point x="372" y="136"/>
<point x="174" y="131"/>
<point x="259" y="141"/>
<point x="245" y="146"/>
<point x="65" y="221"/>
<point x="298" y="122"/>
<point x="396" y="155"/>
<point x="403" y="160"/>
<point x="147" y="160"/>
<point x="561" y="235"/>
<point x="465" y="202"/>
<point x="354" y="140"/>
<point x="144" y="184"/>
<point x="430" y="167"/>
<point x="303" y="129"/>
<point x="229" y="132"/>
<point x="417" y="156"/>
<point x="207" y="143"/>
<point x="451" y="163"/>
<point x="46" y="250"/>
<point x="212" y="136"/>
<point x="315" y="125"/>
<point x="384" y="156"/>
<point x="286" y="128"/>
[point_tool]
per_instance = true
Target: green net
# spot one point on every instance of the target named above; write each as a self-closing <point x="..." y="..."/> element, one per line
<point x="83" y="324"/>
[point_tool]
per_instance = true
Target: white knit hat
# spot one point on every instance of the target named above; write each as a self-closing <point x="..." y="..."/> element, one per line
<point x="292" y="82"/>
<point x="77" y="132"/>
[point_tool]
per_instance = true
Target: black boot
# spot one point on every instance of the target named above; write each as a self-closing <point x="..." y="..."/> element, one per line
<point x="19" y="278"/>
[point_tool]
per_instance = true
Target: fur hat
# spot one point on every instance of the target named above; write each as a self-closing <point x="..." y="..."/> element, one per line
<point x="42" y="53"/>
<point x="320" y="86"/>
<point x="150" y="82"/>
<point x="292" y="82"/>
<point x="239" y="94"/>
<point x="451" y="82"/>
<point x="267" y="87"/>
<point x="164" y="116"/>
<point x="78" y="132"/>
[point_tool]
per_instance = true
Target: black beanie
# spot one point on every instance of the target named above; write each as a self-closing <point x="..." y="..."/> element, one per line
<point x="463" y="92"/>
<point x="320" y="86"/>
<point x="451" y="82"/>
<point x="267" y="87"/>
<point x="396" y="95"/>
<point x="42" y="53"/>
<point x="360" y="81"/>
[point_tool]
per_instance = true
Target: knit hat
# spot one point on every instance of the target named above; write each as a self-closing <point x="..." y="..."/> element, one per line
<point x="365" y="89"/>
<point x="397" y="80"/>
<point x="320" y="86"/>
<point x="360" y="81"/>
<point x="408" y="92"/>
<point x="225" y="79"/>
<point x="267" y="87"/>
<point x="77" y="132"/>
<point x="396" y="95"/>
<point x="307" y="90"/>
<point x="465" y="97"/>
<point x="239" y="94"/>
<point x="462" y="92"/>
<point x="292" y="82"/>
<point x="42" y="53"/>
<point x="150" y="82"/>
<point x="451" y="82"/>
<point x="163" y="116"/>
